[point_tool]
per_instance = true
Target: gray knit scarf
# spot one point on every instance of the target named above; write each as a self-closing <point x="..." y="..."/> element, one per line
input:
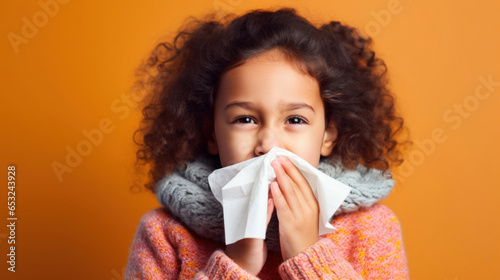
<point x="187" y="195"/>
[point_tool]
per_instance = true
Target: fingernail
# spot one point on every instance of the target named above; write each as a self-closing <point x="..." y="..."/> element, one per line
<point x="282" y="159"/>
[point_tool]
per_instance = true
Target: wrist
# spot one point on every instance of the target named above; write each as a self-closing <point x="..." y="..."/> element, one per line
<point x="249" y="253"/>
<point x="296" y="246"/>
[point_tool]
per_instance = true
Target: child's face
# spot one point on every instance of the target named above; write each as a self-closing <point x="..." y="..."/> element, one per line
<point x="267" y="102"/>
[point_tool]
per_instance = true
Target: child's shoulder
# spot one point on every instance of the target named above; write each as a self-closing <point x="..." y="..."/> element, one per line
<point x="377" y="218"/>
<point x="157" y="214"/>
<point x="371" y="230"/>
<point x="160" y="220"/>
<point x="377" y="211"/>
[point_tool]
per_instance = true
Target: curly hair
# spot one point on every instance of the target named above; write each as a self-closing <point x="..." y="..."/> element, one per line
<point x="181" y="78"/>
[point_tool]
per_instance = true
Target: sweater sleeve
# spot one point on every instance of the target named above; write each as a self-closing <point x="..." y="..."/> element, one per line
<point x="376" y="251"/>
<point x="163" y="249"/>
<point x="220" y="266"/>
<point x="151" y="255"/>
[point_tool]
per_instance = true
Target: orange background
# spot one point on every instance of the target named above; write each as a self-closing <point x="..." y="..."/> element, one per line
<point x="75" y="74"/>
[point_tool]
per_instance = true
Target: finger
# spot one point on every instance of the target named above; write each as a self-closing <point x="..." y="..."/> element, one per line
<point x="286" y="185"/>
<point x="270" y="209"/>
<point x="296" y="176"/>
<point x="279" y="201"/>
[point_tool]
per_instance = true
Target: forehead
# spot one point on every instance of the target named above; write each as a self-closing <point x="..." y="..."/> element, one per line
<point x="270" y="74"/>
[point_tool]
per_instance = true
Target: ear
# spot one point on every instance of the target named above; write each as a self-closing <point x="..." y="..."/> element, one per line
<point x="209" y="132"/>
<point x="329" y="139"/>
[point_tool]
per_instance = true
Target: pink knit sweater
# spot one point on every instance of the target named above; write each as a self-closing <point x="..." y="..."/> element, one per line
<point x="367" y="245"/>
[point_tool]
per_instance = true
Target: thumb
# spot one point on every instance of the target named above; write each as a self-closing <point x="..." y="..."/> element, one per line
<point x="270" y="209"/>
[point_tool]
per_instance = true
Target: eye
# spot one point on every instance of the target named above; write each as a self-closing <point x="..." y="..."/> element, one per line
<point x="296" y="120"/>
<point x="244" y="119"/>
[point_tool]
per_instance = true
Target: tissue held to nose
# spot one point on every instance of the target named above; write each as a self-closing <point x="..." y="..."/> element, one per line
<point x="243" y="189"/>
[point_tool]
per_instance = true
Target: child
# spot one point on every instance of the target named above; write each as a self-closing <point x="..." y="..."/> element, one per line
<point x="227" y="91"/>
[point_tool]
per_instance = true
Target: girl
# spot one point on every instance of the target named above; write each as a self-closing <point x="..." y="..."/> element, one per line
<point x="230" y="90"/>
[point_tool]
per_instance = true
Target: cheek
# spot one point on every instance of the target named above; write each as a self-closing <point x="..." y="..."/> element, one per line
<point x="309" y="147"/>
<point x="309" y="153"/>
<point x="234" y="147"/>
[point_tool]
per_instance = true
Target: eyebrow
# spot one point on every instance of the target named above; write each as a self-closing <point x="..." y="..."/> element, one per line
<point x="287" y="107"/>
<point x="246" y="105"/>
<point x="297" y="105"/>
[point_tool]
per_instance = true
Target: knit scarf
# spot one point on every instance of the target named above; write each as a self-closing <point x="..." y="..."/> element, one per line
<point x="187" y="195"/>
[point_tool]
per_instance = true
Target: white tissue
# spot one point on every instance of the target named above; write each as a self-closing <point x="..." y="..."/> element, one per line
<point x="243" y="189"/>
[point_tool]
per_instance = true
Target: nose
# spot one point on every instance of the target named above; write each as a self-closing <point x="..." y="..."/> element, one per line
<point x="266" y="140"/>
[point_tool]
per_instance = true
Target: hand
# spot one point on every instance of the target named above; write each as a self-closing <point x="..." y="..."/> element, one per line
<point x="296" y="206"/>
<point x="251" y="253"/>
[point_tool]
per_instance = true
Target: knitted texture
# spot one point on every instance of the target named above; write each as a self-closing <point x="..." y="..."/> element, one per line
<point x="188" y="196"/>
<point x="367" y="245"/>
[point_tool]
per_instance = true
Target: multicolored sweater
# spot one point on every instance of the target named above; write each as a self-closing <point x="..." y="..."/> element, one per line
<point x="367" y="245"/>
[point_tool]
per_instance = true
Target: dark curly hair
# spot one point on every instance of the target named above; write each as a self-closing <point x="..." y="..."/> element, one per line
<point x="181" y="78"/>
